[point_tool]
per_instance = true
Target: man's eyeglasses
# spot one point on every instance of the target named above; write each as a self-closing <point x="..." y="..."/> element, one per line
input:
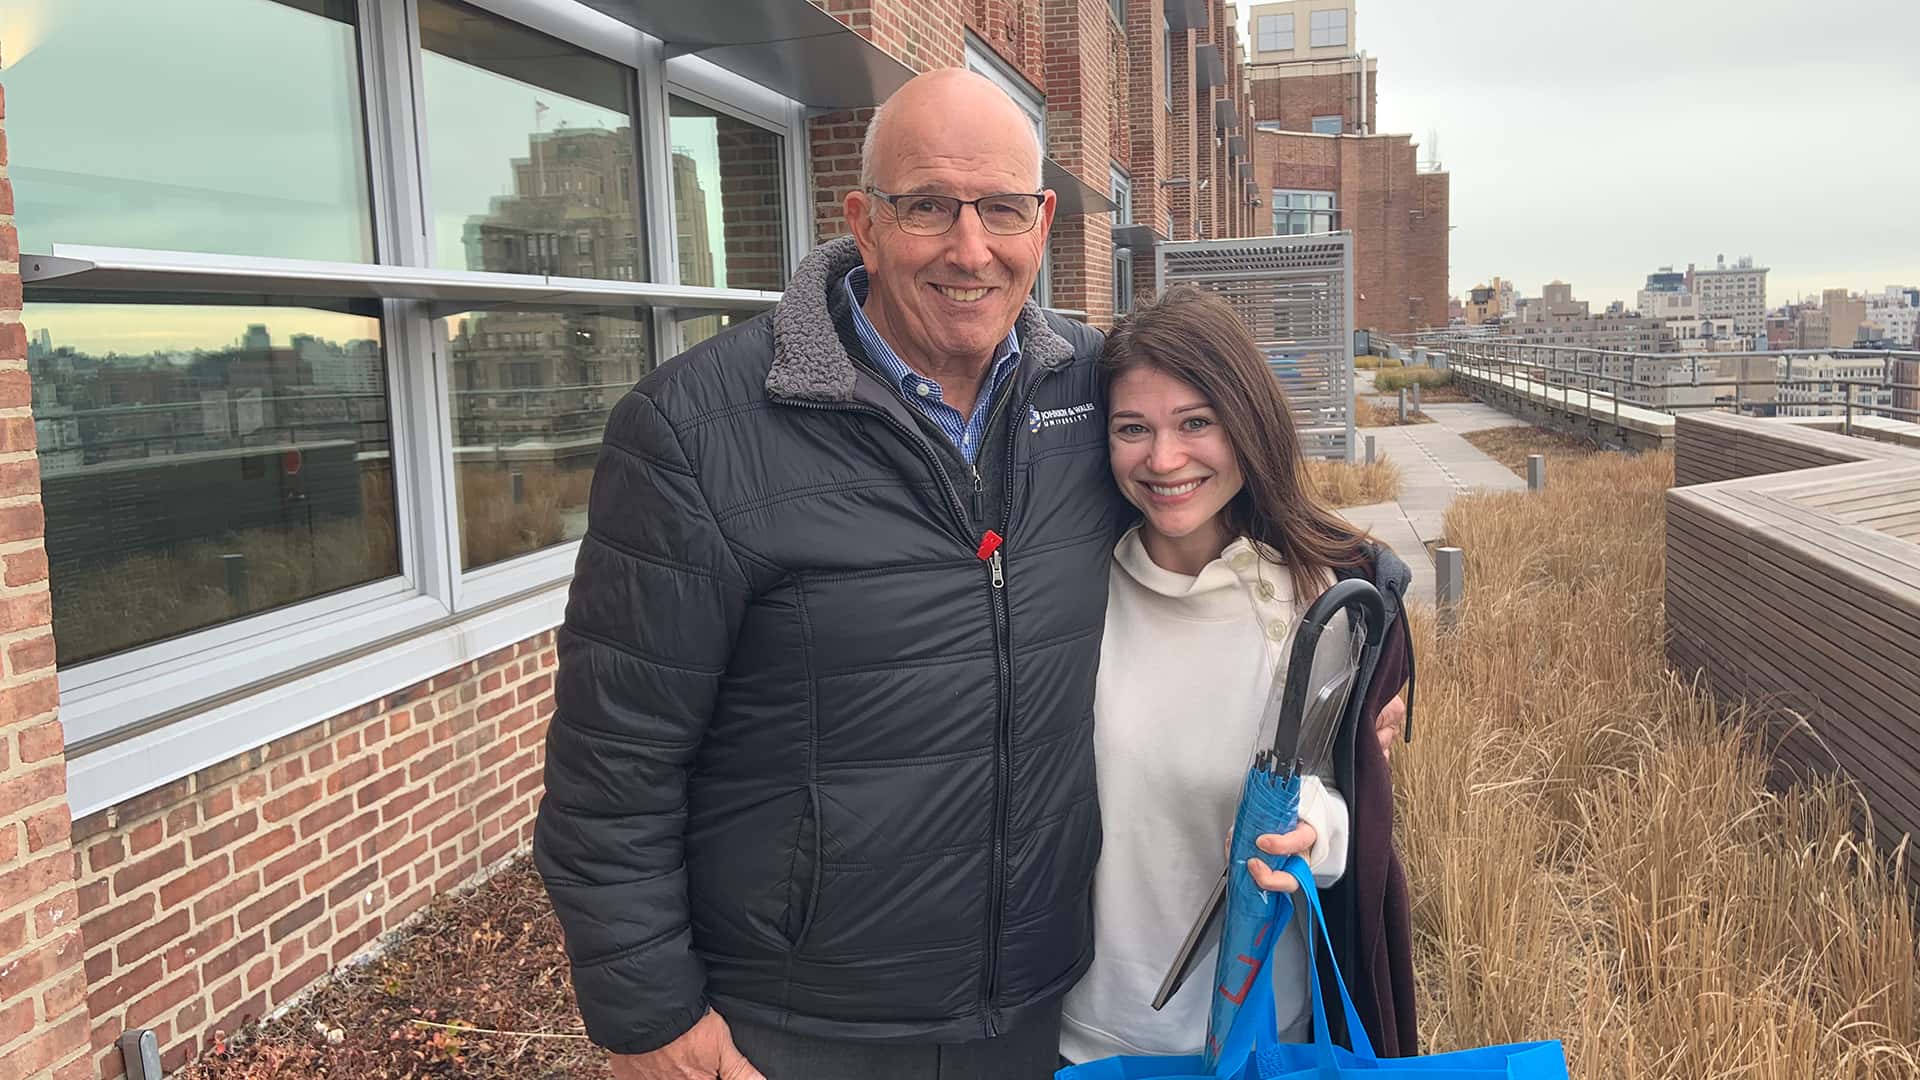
<point x="924" y="214"/>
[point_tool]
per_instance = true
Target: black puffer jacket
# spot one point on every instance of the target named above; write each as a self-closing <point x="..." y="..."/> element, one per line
<point x="817" y="761"/>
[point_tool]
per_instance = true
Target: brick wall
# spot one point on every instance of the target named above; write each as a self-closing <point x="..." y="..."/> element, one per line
<point x="224" y="895"/>
<point x="1081" y="101"/>
<point x="751" y="197"/>
<point x="1181" y="136"/>
<point x="1294" y="101"/>
<point x="1147" y="117"/>
<point x="1015" y="31"/>
<point x="1398" y="217"/>
<point x="43" y="1015"/>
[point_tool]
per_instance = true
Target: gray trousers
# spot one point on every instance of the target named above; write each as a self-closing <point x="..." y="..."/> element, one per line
<point x="1030" y="1053"/>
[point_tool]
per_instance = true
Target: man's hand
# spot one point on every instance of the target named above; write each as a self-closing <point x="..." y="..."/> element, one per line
<point x="1387" y="727"/>
<point x="705" y="1052"/>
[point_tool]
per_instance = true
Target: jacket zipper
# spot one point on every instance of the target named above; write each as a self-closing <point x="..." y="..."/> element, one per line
<point x="1003" y="738"/>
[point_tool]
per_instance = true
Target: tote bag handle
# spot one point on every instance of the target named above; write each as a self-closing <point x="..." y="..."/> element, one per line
<point x="1317" y="929"/>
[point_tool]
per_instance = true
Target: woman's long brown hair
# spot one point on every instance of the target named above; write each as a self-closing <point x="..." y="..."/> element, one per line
<point x="1194" y="336"/>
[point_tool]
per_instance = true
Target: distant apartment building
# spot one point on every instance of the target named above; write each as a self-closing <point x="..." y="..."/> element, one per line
<point x="1318" y="166"/>
<point x="1666" y="294"/>
<point x="1826" y="385"/>
<point x="1306" y="73"/>
<point x="1488" y="303"/>
<point x="1846" y="314"/>
<point x="1783" y="328"/>
<point x="1907" y="373"/>
<point x="1556" y="318"/>
<point x="1738" y="291"/>
<point x="1896" y="314"/>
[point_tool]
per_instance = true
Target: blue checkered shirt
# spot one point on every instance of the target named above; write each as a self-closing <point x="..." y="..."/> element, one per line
<point x="965" y="432"/>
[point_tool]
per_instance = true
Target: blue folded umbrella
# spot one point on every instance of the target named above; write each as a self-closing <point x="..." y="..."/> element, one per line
<point x="1269" y="803"/>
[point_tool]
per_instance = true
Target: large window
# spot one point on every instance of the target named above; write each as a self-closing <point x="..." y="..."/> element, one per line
<point x="531" y="392"/>
<point x="1276" y="33"/>
<point x="1327" y="125"/>
<point x="118" y="138"/>
<point x="199" y="464"/>
<point x="361" y="300"/>
<point x="1296" y="213"/>
<point x="531" y="161"/>
<point x="729" y="220"/>
<point x="1328" y="28"/>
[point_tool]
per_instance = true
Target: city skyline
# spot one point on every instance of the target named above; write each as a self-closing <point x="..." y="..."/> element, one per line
<point x="1594" y="143"/>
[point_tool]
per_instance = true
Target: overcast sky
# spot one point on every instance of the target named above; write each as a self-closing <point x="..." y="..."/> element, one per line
<point x="1596" y="141"/>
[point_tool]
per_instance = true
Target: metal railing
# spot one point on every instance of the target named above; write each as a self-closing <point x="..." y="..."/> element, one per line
<point x="1763" y="383"/>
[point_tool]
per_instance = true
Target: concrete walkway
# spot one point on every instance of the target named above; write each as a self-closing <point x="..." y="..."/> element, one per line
<point x="1436" y="464"/>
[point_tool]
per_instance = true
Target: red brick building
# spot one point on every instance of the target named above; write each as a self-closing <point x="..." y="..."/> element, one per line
<point x="1320" y="165"/>
<point x="293" y="456"/>
<point x="1374" y="188"/>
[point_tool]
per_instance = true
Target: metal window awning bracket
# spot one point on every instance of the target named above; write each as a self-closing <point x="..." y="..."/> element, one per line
<point x="1186" y="14"/>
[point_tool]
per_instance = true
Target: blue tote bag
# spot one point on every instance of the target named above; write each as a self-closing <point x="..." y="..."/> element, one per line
<point x="1252" y="1049"/>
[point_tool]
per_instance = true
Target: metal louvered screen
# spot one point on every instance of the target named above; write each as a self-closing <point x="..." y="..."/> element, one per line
<point x="1295" y="294"/>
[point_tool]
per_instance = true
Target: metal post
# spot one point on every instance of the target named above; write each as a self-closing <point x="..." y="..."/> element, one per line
<point x="1403" y="404"/>
<point x="1416" y="397"/>
<point x="1536" y="472"/>
<point x="140" y="1051"/>
<point x="1370" y="457"/>
<point x="519" y="488"/>
<point x="1449" y="585"/>
<point x="1847" y="427"/>
<point x="236" y="578"/>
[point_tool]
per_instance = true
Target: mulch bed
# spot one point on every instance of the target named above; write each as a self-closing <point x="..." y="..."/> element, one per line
<point x="476" y="988"/>
<point x="1511" y="445"/>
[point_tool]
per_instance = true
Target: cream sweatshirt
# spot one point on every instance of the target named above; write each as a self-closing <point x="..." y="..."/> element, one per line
<point x="1186" y="666"/>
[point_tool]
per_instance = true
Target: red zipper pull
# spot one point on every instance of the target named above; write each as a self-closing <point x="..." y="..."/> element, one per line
<point x="989" y="543"/>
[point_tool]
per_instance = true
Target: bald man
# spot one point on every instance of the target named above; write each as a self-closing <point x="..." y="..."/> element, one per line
<point x="819" y="789"/>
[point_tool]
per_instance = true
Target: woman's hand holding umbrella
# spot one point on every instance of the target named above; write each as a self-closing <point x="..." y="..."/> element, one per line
<point x="1280" y="845"/>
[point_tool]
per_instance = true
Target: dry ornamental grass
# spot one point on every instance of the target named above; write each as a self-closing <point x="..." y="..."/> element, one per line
<point x="1592" y="848"/>
<point x="1343" y="483"/>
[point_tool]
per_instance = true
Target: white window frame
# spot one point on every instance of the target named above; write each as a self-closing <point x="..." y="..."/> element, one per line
<point x="144" y="716"/>
<point x="982" y="60"/>
<point x="1120" y="190"/>
<point x="1166" y="56"/>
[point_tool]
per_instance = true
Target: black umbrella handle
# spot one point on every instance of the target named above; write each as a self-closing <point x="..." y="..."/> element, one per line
<point x="1352" y="593"/>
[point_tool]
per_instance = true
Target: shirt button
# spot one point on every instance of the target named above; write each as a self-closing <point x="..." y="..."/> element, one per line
<point x="923" y="390"/>
<point x="1277" y="630"/>
<point x="1264" y="590"/>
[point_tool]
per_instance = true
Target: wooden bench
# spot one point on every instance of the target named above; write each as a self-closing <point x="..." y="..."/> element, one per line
<point x="1793" y="583"/>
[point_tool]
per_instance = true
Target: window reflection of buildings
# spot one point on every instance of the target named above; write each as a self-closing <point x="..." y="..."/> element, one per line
<point x="551" y="376"/>
<point x="571" y="213"/>
<point x="690" y="221"/>
<point x="538" y="376"/>
<point x="91" y="409"/>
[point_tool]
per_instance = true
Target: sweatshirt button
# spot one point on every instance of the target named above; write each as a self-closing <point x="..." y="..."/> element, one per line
<point x="1264" y="590"/>
<point x="1277" y="630"/>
